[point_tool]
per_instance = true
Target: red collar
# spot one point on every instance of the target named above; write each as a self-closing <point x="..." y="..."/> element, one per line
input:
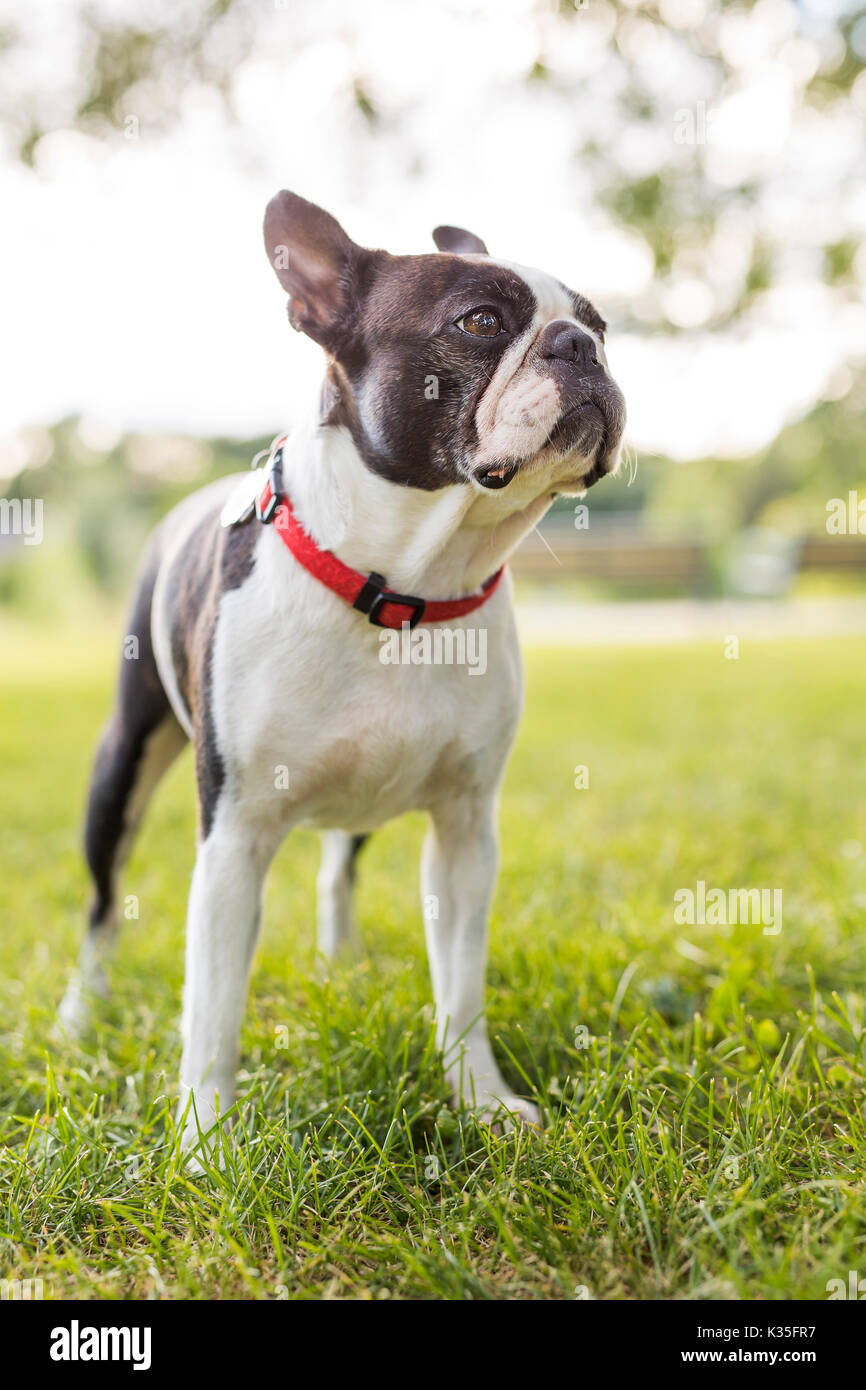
<point x="369" y="593"/>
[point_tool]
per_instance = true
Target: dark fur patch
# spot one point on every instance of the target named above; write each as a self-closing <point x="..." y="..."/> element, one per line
<point x="212" y="561"/>
<point x="586" y="312"/>
<point x="358" y="843"/>
<point x="141" y="707"/>
<point x="406" y="381"/>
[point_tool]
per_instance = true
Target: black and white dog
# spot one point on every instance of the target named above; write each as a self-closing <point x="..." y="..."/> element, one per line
<point x="461" y="395"/>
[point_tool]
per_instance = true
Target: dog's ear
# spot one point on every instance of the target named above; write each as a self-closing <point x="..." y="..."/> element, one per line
<point x="460" y="242"/>
<point x="314" y="260"/>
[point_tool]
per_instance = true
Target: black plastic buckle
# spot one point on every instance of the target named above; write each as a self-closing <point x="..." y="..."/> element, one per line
<point x="275" y="482"/>
<point x="404" y="601"/>
<point x="373" y="596"/>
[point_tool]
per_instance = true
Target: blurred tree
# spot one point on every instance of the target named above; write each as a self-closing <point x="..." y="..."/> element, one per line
<point x="652" y="92"/>
<point x="670" y="74"/>
<point x="143" y="65"/>
<point x="786" y="486"/>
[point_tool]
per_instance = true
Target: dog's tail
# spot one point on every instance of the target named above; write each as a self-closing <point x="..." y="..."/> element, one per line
<point x="140" y="741"/>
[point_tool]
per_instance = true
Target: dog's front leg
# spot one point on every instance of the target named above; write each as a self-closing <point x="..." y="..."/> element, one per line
<point x="458" y="875"/>
<point x="222" y="926"/>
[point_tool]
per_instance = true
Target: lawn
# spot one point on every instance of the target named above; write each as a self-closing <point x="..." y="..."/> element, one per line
<point x="702" y="1084"/>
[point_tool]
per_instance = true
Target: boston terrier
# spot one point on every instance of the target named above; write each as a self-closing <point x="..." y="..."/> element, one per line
<point x="461" y="395"/>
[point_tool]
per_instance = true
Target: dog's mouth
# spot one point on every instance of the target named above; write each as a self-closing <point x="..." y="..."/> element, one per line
<point x="581" y="425"/>
<point x="593" y="429"/>
<point x="584" y="426"/>
<point x="587" y="429"/>
<point x="498" y="476"/>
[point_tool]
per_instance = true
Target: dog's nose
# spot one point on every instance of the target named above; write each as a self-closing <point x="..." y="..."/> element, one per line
<point x="569" y="343"/>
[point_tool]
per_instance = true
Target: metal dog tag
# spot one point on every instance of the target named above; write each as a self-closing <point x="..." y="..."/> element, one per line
<point x="241" y="501"/>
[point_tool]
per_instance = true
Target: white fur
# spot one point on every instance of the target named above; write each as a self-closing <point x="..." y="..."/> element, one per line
<point x="297" y="684"/>
<point x="521" y="406"/>
<point x="336" y="914"/>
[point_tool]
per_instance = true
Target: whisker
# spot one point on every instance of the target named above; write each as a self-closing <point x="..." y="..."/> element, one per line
<point x="549" y="547"/>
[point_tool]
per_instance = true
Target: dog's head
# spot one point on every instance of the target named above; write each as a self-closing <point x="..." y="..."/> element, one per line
<point x="451" y="367"/>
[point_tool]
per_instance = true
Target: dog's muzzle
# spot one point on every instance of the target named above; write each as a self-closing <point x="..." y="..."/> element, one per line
<point x="591" y="420"/>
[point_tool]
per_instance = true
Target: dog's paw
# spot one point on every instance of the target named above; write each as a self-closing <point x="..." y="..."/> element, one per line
<point x="506" y="1112"/>
<point x="200" y="1152"/>
<point x="195" y="1164"/>
<point x="86" y="988"/>
<point x="201" y="1130"/>
<point x="73" y="1016"/>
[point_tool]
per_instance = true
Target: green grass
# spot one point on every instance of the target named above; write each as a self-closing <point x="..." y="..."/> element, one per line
<point x="709" y="1142"/>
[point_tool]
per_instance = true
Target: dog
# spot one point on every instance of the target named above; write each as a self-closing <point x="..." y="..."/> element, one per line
<point x="461" y="395"/>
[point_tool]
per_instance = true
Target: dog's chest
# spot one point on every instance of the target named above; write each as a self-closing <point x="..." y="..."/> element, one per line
<point x="323" y="719"/>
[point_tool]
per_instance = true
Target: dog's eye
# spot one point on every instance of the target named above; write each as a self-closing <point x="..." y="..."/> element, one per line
<point x="483" y="323"/>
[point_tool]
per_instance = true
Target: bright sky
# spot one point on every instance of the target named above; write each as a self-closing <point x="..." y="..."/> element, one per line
<point x="135" y="288"/>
